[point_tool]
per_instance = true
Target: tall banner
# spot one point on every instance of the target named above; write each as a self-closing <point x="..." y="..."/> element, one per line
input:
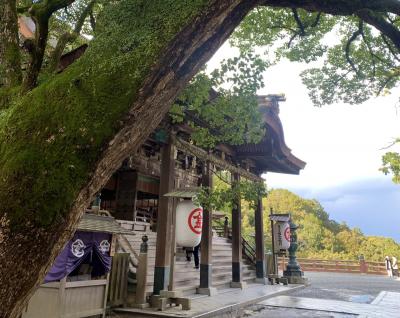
<point x="282" y="235"/>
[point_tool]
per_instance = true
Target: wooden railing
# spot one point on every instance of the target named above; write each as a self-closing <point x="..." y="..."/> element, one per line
<point x="127" y="248"/>
<point x="315" y="265"/>
<point x="339" y="266"/>
<point x="118" y="286"/>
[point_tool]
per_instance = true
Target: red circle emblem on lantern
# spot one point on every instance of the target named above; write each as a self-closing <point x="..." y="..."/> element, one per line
<point x="195" y="220"/>
<point x="287" y="234"/>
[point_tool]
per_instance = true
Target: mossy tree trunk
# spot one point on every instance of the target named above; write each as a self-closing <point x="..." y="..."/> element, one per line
<point x="60" y="143"/>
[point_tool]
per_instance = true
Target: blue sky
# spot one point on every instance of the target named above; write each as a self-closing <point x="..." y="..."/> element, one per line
<point x="370" y="204"/>
<point x="342" y="145"/>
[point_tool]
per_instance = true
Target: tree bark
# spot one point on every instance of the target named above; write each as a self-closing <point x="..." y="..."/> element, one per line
<point x="10" y="62"/>
<point x="62" y="142"/>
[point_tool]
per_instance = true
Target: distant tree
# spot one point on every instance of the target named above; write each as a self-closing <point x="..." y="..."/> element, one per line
<point x="321" y="237"/>
<point x="391" y="164"/>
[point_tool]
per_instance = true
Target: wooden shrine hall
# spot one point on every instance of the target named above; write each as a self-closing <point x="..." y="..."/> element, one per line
<point x="168" y="161"/>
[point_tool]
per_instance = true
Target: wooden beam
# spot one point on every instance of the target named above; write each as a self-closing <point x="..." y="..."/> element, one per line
<point x="219" y="162"/>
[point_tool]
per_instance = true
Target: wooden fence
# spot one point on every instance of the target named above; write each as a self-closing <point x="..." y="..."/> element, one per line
<point x="118" y="286"/>
<point x="339" y="266"/>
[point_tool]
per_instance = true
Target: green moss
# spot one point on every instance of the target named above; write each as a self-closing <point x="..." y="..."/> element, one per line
<point x="51" y="138"/>
<point x="7" y="95"/>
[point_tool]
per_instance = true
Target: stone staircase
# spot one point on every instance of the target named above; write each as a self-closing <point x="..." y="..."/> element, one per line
<point x="187" y="278"/>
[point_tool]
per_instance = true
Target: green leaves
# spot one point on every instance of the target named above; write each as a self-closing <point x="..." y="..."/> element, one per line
<point x="224" y="196"/>
<point x="391" y="164"/>
<point x="222" y="107"/>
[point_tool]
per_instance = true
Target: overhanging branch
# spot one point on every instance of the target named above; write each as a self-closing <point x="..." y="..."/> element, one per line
<point x="379" y="22"/>
<point x="354" y="36"/>
<point x="300" y="24"/>
<point x="68" y="37"/>
<point x="40" y="13"/>
<point x="348" y="7"/>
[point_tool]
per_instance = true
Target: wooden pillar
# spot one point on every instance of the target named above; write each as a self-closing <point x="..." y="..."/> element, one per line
<point x="260" y="257"/>
<point x="206" y="241"/>
<point x="237" y="277"/>
<point x="171" y="285"/>
<point x="164" y="221"/>
<point x="126" y="195"/>
<point x="141" y="272"/>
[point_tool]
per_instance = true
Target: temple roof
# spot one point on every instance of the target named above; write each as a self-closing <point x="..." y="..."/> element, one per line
<point x="271" y="154"/>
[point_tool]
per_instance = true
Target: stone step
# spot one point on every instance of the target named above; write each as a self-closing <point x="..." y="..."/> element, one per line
<point x="216" y="253"/>
<point x="189" y="270"/>
<point x="192" y="274"/>
<point x="187" y="278"/>
<point x="223" y="284"/>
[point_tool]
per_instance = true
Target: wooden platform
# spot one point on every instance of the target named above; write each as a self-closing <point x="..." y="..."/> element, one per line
<point x="227" y="301"/>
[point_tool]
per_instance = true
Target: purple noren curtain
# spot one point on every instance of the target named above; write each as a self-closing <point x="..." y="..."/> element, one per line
<point x="77" y="250"/>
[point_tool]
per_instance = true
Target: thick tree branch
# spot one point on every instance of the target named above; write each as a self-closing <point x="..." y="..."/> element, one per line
<point x="40" y="13"/>
<point x="343" y="7"/>
<point x="379" y="22"/>
<point x="354" y="36"/>
<point x="300" y="24"/>
<point x="68" y="37"/>
<point x="390" y="48"/>
<point x="317" y="19"/>
<point x="10" y="61"/>
<point x="368" y="10"/>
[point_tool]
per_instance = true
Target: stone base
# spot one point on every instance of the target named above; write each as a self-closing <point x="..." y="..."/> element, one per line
<point x="160" y="303"/>
<point x="241" y="285"/>
<point x="297" y="280"/>
<point x="171" y="293"/>
<point x="263" y="280"/>
<point x="210" y="291"/>
<point x="140" y="306"/>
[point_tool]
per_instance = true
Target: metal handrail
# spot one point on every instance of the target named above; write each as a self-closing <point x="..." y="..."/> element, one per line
<point x="248" y="250"/>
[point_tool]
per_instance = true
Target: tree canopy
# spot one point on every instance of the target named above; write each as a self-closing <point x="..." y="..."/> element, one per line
<point x="351" y="58"/>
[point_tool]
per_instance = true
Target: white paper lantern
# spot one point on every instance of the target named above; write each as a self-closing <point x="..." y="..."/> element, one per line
<point x="282" y="235"/>
<point x="189" y="223"/>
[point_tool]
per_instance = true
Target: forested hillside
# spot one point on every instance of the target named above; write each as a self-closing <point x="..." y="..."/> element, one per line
<point x="319" y="236"/>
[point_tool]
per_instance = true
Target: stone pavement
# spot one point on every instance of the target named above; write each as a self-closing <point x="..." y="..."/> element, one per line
<point x="227" y="303"/>
<point x="387" y="305"/>
<point x="347" y="287"/>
